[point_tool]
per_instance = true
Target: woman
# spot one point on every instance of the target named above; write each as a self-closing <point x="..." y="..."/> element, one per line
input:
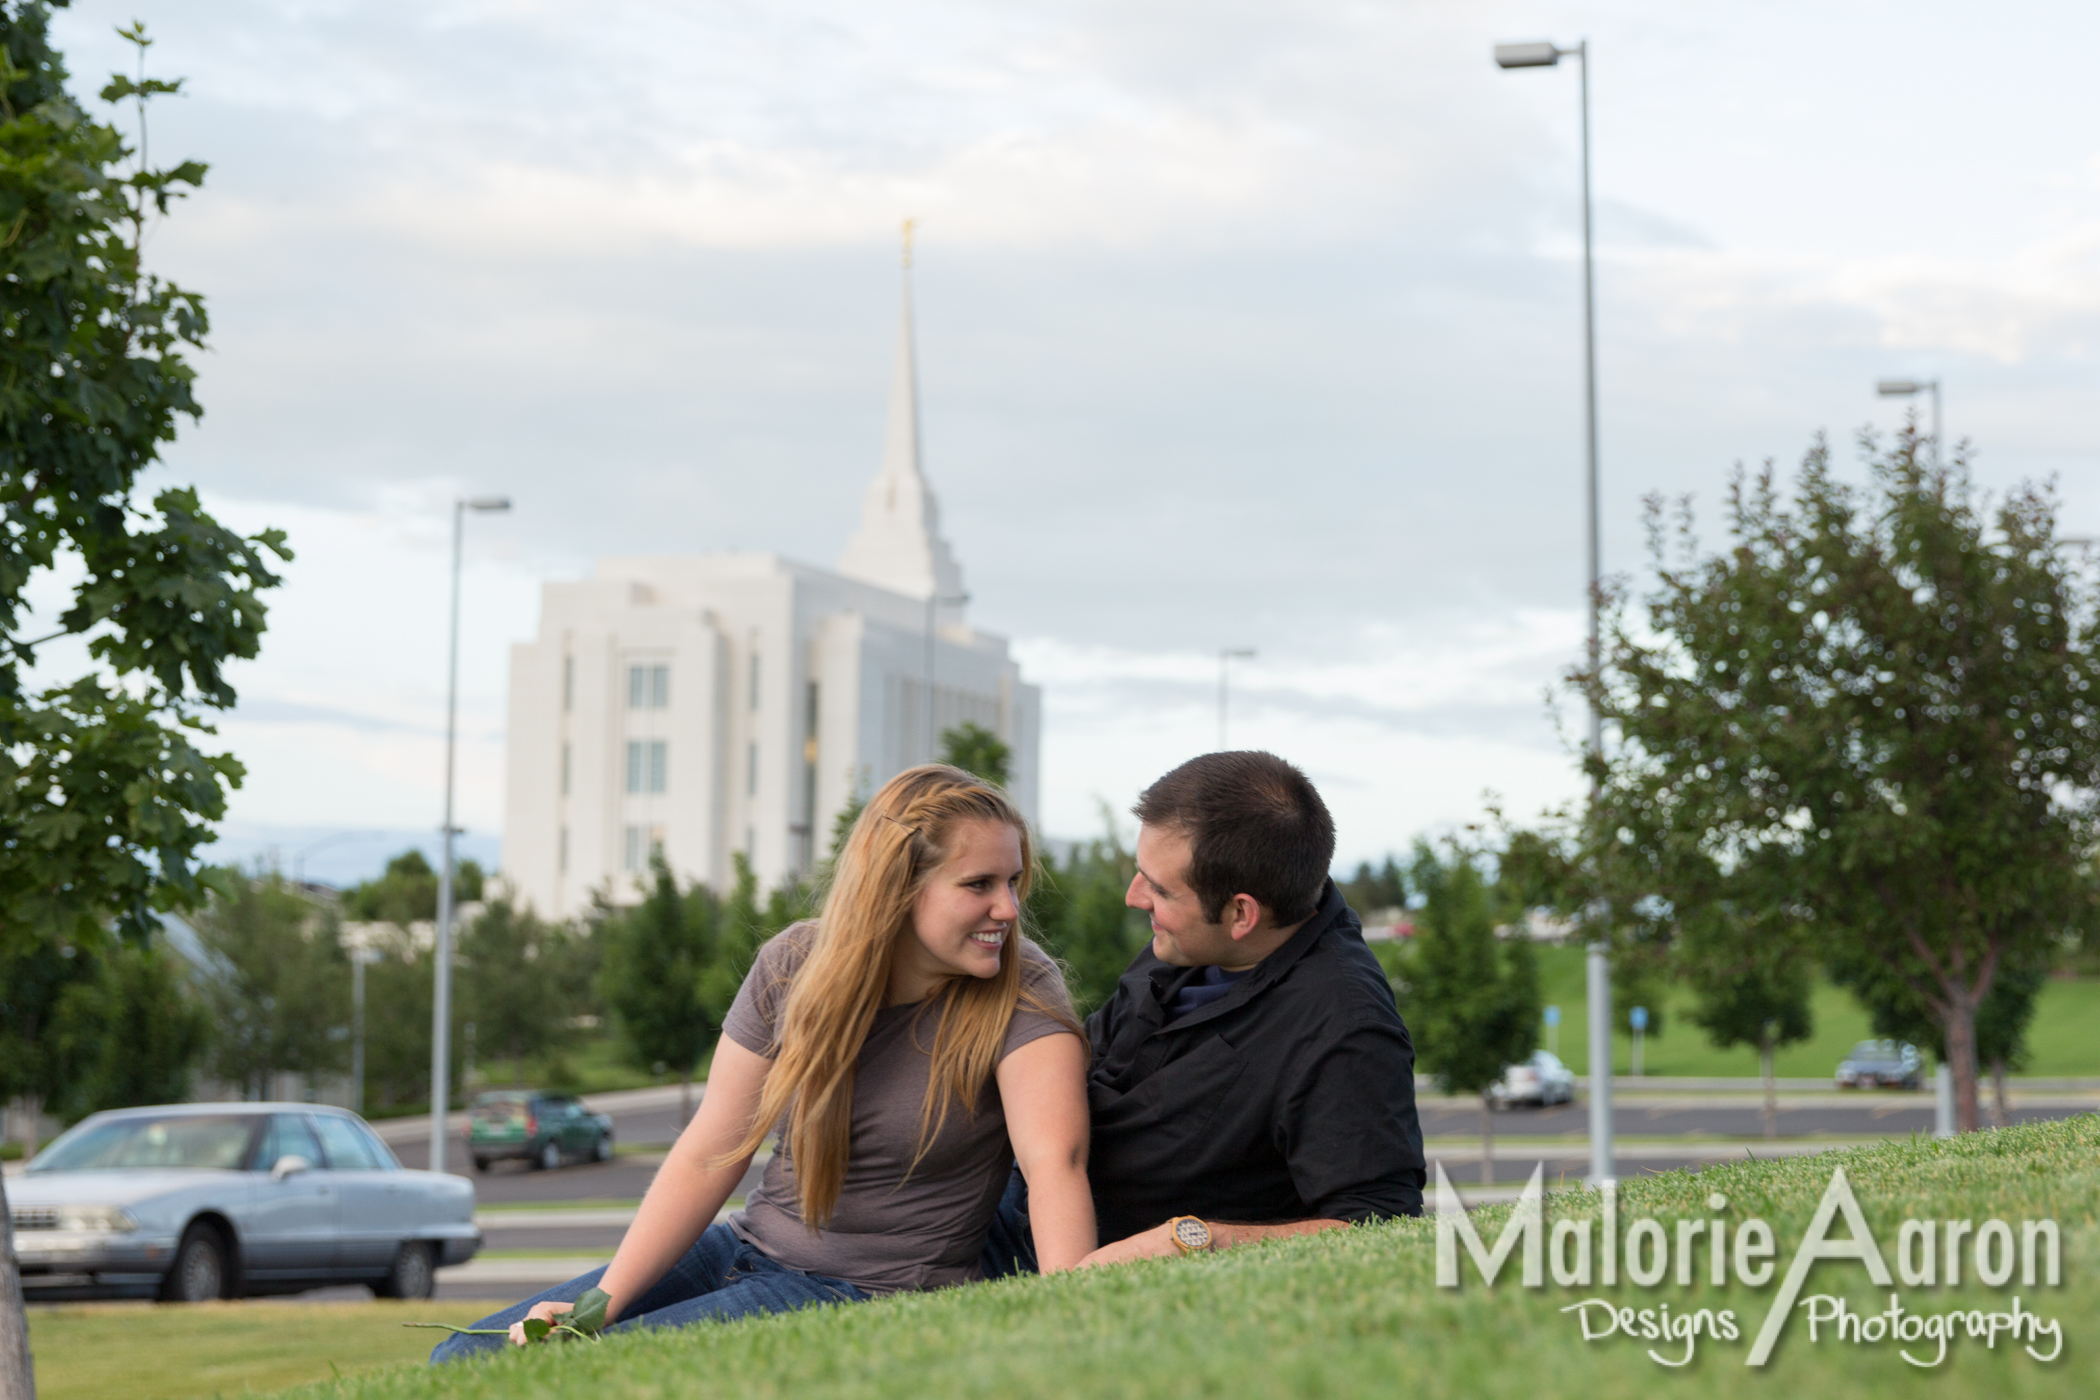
<point x="910" y="1045"/>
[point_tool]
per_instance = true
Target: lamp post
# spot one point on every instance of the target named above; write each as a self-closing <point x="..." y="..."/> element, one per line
<point x="441" y="998"/>
<point x="934" y="600"/>
<point x="1548" y="55"/>
<point x="1225" y="658"/>
<point x="1905" y="388"/>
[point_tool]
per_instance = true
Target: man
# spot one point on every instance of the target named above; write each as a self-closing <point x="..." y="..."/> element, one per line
<point x="1251" y="1075"/>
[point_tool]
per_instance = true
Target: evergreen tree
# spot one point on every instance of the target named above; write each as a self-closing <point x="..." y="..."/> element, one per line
<point x="517" y="985"/>
<point x="281" y="993"/>
<point x="1761" y="1001"/>
<point x="654" y="979"/>
<point x="1473" y="1000"/>
<point x="975" y="749"/>
<point x="408" y="890"/>
<point x="1076" y="912"/>
<point x="134" y="1033"/>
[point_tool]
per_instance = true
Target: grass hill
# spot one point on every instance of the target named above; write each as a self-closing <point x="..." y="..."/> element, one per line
<point x="1357" y="1314"/>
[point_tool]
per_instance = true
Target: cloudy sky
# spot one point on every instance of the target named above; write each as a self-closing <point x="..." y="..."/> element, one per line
<point x="1241" y="325"/>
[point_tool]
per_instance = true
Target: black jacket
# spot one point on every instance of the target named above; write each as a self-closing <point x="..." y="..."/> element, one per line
<point x="1292" y="1097"/>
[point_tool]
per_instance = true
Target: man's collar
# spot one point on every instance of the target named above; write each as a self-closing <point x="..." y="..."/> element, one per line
<point x="1331" y="912"/>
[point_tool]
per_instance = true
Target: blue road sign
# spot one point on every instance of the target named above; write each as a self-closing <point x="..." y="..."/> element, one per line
<point x="1552" y="1015"/>
<point x="1639" y="1017"/>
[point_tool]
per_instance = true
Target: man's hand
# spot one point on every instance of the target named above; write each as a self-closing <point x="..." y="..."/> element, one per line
<point x="1155" y="1243"/>
<point x="545" y="1312"/>
<point x="1158" y="1242"/>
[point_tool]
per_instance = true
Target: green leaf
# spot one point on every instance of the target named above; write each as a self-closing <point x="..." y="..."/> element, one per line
<point x="589" y="1316"/>
<point x="536" y="1328"/>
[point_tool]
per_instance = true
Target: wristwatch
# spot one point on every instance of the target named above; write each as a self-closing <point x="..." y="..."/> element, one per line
<point x="1190" y="1235"/>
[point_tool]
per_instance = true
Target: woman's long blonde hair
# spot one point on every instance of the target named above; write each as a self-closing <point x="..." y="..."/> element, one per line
<point x="905" y="833"/>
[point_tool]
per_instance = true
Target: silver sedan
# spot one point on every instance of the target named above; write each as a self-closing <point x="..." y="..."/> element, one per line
<point x="191" y="1202"/>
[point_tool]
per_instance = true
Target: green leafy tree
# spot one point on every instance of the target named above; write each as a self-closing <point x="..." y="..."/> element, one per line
<point x="280" y="996"/>
<point x="519" y="986"/>
<point x="1076" y="911"/>
<point x="105" y="794"/>
<point x="1373" y="888"/>
<point x="134" y="1033"/>
<point x="1896" y="1011"/>
<point x="656" y="956"/>
<point x="1873" y="719"/>
<point x="1473" y="999"/>
<point x="408" y="890"/>
<point x="1750" y="995"/>
<point x="399" y="996"/>
<point x="1642" y="981"/>
<point x="975" y="749"/>
<point x="36" y="1065"/>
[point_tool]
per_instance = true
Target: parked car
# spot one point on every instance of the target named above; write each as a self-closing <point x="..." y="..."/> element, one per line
<point x="1542" y="1080"/>
<point x="191" y="1202"/>
<point x="544" y="1129"/>
<point x="1875" y="1063"/>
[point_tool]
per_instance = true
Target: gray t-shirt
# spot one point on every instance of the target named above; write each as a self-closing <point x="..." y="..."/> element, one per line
<point x="889" y="1232"/>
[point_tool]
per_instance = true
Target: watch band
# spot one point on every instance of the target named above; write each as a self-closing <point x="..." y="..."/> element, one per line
<point x="1190" y="1235"/>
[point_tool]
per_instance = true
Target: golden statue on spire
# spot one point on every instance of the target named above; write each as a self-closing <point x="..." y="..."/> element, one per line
<point x="909" y="225"/>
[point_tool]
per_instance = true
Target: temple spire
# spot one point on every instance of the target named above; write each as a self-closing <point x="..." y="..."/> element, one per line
<point x="899" y="544"/>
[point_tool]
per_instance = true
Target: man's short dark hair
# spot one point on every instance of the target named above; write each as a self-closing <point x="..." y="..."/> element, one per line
<point x="1256" y="826"/>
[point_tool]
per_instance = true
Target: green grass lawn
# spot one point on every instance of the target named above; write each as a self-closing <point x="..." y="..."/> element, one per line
<point x="1357" y="1313"/>
<point x="126" y="1351"/>
<point x="2062" y="1039"/>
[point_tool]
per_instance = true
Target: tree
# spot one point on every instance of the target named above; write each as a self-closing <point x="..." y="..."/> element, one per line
<point x="105" y="795"/>
<point x="1371" y="889"/>
<point x="408" y="890"/>
<point x="975" y="749"/>
<point x="519" y="985"/>
<point x="1894" y="1010"/>
<point x="36" y="1065"/>
<point x="1077" y="911"/>
<point x="656" y="957"/>
<point x="1747" y="999"/>
<point x="1873" y="719"/>
<point x="280" y="995"/>
<point x="133" y="1033"/>
<point x="1473" y="1000"/>
<point x="399" y="992"/>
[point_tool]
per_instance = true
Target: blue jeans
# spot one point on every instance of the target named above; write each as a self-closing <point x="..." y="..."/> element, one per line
<point x="720" y="1278"/>
<point x="1009" y="1247"/>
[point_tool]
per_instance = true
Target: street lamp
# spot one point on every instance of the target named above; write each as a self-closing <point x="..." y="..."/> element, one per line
<point x="1547" y="55"/>
<point x="933" y="600"/>
<point x="1224" y="659"/>
<point x="1905" y="388"/>
<point x="441" y="1009"/>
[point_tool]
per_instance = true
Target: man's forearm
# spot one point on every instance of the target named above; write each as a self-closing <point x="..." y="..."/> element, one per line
<point x="1225" y="1236"/>
<point x="1158" y="1242"/>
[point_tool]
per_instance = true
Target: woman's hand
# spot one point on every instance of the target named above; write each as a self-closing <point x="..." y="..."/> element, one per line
<point x="545" y="1312"/>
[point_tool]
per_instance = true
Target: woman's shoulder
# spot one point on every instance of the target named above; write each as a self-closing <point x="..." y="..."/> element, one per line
<point x="753" y="1015"/>
<point x="1043" y="978"/>
<point x="786" y="950"/>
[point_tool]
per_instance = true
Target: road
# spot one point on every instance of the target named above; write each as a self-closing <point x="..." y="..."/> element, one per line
<point x="1658" y="1132"/>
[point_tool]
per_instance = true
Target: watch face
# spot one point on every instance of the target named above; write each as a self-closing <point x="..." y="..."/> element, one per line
<point x="1193" y="1234"/>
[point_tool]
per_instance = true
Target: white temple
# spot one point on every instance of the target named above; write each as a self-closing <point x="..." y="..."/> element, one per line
<point x="709" y="704"/>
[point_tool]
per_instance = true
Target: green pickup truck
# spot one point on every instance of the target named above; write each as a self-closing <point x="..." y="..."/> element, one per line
<point x="542" y="1129"/>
